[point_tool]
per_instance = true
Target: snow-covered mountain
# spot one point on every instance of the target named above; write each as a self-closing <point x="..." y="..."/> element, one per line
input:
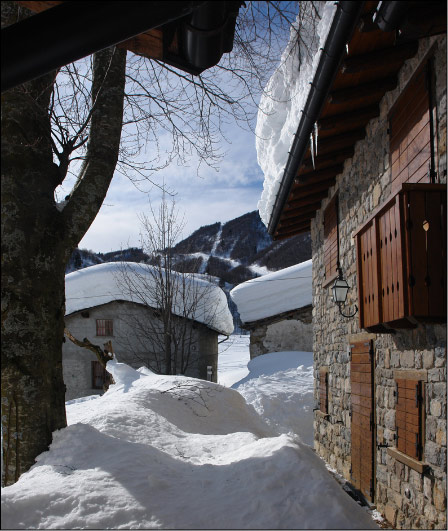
<point x="234" y="252"/>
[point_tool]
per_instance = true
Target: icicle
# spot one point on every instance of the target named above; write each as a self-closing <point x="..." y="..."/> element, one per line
<point x="316" y="134"/>
<point x="312" y="149"/>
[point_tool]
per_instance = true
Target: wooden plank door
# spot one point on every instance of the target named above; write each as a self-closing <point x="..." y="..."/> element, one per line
<point x="363" y="418"/>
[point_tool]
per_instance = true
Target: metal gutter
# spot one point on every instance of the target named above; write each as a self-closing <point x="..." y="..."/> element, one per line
<point x="342" y="27"/>
<point x="389" y="14"/>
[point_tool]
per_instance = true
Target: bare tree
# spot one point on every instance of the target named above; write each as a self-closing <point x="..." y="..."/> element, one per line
<point x="165" y="337"/>
<point x="75" y="128"/>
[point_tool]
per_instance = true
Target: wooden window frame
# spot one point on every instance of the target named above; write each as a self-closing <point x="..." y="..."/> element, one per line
<point x="104" y="327"/>
<point x="331" y="240"/>
<point x="98" y="371"/>
<point x="323" y="390"/>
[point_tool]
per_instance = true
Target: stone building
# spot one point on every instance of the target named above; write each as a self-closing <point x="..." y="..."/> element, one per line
<point x="276" y="309"/>
<point x="373" y="195"/>
<point x="101" y="308"/>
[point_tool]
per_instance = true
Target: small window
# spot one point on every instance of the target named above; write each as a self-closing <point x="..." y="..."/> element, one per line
<point x="409" y="420"/>
<point x="331" y="240"/>
<point x="323" y="390"/>
<point x="104" y="327"/>
<point x="100" y="377"/>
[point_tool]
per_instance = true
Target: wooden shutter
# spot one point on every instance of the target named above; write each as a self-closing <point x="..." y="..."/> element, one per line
<point x="323" y="390"/>
<point x="104" y="327"/>
<point x="425" y="222"/>
<point x="402" y="274"/>
<point x="362" y="423"/>
<point x="408" y="417"/>
<point x="368" y="288"/>
<point x="331" y="240"/>
<point x="411" y="138"/>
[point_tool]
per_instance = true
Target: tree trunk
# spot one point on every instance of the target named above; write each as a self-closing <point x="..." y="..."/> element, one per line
<point x="37" y="241"/>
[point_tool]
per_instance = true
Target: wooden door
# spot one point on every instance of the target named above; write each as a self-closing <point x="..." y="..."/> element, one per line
<point x="363" y="418"/>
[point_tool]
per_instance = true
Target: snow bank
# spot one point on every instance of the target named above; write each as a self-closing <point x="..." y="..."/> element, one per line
<point x="280" y="387"/>
<point x="278" y="292"/>
<point x="284" y="100"/>
<point x="174" y="452"/>
<point x="98" y="284"/>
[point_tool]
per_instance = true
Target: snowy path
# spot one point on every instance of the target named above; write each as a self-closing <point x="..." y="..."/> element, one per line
<point x="180" y="453"/>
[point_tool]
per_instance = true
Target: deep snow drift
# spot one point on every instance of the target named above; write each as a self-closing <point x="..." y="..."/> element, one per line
<point x="181" y="453"/>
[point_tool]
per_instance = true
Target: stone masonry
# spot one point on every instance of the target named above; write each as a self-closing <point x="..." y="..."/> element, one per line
<point x="408" y="498"/>
<point x="289" y="332"/>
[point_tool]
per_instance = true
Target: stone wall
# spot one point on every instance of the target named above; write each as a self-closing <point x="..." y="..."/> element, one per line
<point x="128" y="348"/>
<point x="282" y="333"/>
<point x="408" y="498"/>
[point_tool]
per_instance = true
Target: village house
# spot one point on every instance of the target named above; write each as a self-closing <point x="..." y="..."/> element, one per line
<point x="276" y="309"/>
<point x="101" y="307"/>
<point x="371" y="188"/>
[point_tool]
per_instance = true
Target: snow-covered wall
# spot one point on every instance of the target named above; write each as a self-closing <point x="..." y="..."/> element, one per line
<point x="275" y="293"/>
<point x="99" y="284"/>
<point x="284" y="99"/>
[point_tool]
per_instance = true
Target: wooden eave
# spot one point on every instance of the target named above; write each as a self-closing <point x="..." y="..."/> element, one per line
<point x="159" y="43"/>
<point x="365" y="74"/>
<point x="148" y="44"/>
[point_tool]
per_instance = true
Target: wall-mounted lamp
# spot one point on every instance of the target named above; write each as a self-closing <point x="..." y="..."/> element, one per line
<point x="340" y="289"/>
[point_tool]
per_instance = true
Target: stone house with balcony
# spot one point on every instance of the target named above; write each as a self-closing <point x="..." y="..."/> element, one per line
<point x="373" y="195"/>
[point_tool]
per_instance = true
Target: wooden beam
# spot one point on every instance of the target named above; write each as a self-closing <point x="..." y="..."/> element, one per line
<point x="305" y="201"/>
<point x="330" y="159"/>
<point x="376" y="90"/>
<point x="379" y="58"/>
<point x="305" y="212"/>
<point x="292" y="231"/>
<point x="38" y="7"/>
<point x="303" y="179"/>
<point x="337" y="142"/>
<point x="312" y="188"/>
<point x="349" y="120"/>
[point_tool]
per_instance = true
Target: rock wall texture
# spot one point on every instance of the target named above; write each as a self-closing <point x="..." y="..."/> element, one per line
<point x="294" y="332"/>
<point x="408" y="498"/>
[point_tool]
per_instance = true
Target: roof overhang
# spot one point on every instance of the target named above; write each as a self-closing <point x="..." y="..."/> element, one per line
<point x="359" y="64"/>
<point x="191" y="36"/>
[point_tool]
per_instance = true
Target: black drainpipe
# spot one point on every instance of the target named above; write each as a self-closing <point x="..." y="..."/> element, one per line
<point x="390" y="14"/>
<point x="343" y="25"/>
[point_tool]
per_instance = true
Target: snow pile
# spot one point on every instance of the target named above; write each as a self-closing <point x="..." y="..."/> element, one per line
<point x="280" y="387"/>
<point x="174" y="452"/>
<point x="99" y="284"/>
<point x="284" y="100"/>
<point x="275" y="293"/>
<point x="233" y="359"/>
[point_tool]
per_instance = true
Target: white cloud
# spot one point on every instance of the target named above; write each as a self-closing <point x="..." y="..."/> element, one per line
<point x="205" y="198"/>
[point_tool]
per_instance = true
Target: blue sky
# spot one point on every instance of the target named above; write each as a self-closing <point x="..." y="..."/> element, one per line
<point x="205" y="195"/>
<point x="206" y="198"/>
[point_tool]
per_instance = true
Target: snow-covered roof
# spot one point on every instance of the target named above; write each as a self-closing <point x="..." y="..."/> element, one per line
<point x="275" y="293"/>
<point x="99" y="284"/>
<point x="283" y="102"/>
